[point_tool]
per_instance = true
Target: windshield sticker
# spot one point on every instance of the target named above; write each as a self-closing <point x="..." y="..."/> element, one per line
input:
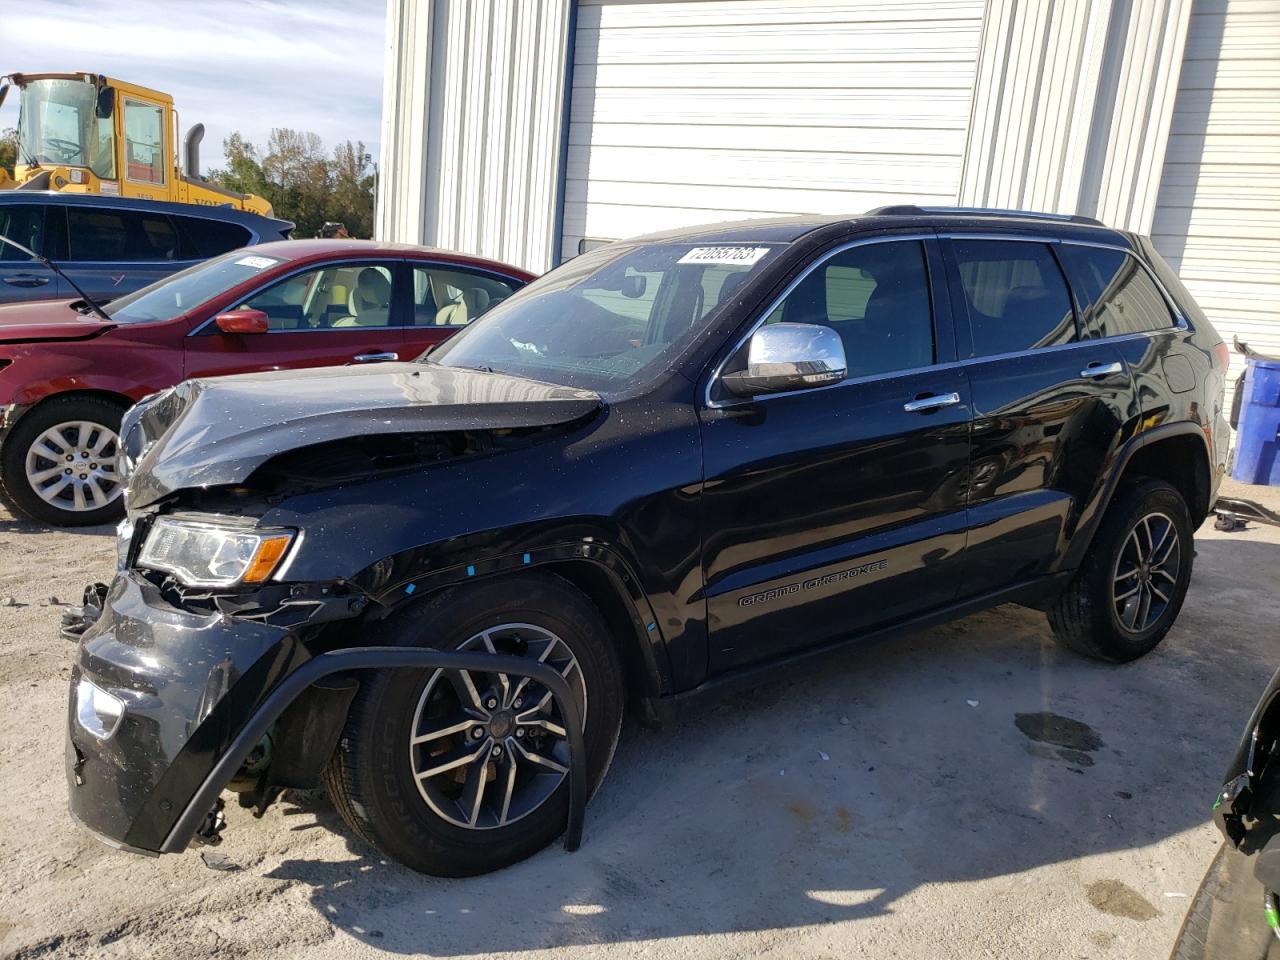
<point x="731" y="256"/>
<point x="258" y="263"/>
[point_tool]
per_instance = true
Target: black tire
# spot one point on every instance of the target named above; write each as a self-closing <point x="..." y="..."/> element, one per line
<point x="1084" y="616"/>
<point x="13" y="459"/>
<point x="1226" y="921"/>
<point x="369" y="776"/>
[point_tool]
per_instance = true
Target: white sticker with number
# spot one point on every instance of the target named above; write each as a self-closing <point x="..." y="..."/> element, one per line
<point x="731" y="256"/>
<point x="258" y="263"/>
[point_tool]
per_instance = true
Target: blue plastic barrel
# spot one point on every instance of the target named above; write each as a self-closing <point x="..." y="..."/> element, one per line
<point x="1258" y="434"/>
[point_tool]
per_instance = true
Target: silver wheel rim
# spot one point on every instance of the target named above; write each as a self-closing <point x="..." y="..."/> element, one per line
<point x="1145" y="576"/>
<point x="72" y="466"/>
<point x="487" y="750"/>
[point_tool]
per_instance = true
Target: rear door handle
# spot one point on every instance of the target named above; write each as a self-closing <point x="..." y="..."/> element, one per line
<point x="1100" y="369"/>
<point x="26" y="280"/>
<point x="925" y="404"/>
<point x="375" y="357"/>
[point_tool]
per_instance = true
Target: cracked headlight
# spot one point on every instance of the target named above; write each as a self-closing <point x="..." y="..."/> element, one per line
<point x="214" y="553"/>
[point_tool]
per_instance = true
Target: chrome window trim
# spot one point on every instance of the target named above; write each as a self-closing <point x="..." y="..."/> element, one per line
<point x="1180" y="322"/>
<point x="718" y="369"/>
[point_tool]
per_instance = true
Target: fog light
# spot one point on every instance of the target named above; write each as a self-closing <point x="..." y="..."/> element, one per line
<point x="98" y="711"/>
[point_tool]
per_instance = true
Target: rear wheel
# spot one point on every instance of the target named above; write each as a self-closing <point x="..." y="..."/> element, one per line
<point x="456" y="773"/>
<point x="1127" y="593"/>
<point x="59" y="463"/>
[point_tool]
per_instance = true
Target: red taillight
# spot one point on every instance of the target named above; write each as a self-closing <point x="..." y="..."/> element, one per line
<point x="1221" y="356"/>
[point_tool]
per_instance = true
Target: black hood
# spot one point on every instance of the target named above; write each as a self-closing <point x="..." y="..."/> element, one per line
<point x="209" y="433"/>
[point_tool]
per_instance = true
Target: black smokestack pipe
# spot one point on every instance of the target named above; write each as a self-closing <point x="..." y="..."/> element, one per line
<point x="191" y="151"/>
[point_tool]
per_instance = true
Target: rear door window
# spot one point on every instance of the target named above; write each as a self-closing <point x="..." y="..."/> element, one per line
<point x="100" y="234"/>
<point x="1016" y="296"/>
<point x="202" y="238"/>
<point x="24" y="224"/>
<point x="1116" y="294"/>
<point x="447" y="297"/>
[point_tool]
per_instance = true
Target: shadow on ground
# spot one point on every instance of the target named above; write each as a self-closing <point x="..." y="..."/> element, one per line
<point x="828" y="795"/>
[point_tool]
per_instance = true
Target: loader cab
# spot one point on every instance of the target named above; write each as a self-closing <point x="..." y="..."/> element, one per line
<point x="85" y="133"/>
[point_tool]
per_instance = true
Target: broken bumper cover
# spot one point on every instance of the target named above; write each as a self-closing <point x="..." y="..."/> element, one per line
<point x="199" y="692"/>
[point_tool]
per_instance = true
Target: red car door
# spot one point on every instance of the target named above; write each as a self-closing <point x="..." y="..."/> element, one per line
<point x="327" y="315"/>
<point x="446" y="297"/>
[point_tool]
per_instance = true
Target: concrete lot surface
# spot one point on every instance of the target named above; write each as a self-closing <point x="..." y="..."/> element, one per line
<point x="893" y="803"/>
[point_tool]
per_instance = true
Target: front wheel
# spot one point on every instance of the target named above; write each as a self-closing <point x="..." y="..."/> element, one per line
<point x="1127" y="593"/>
<point x="455" y="773"/>
<point x="59" y="463"/>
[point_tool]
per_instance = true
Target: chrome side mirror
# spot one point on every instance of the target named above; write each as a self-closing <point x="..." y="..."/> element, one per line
<point x="789" y="356"/>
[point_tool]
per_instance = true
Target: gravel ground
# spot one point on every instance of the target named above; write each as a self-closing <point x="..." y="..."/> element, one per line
<point x="892" y="804"/>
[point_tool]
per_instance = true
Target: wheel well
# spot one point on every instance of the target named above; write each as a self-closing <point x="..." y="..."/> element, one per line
<point x="1180" y="461"/>
<point x="119" y="399"/>
<point x="601" y="589"/>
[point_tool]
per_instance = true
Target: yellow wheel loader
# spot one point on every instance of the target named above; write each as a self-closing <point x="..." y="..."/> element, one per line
<point x="86" y="133"/>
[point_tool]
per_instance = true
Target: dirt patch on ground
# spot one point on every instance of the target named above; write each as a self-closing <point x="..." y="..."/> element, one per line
<point x="922" y="819"/>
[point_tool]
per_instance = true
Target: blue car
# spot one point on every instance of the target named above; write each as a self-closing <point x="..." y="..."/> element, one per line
<point x="111" y="246"/>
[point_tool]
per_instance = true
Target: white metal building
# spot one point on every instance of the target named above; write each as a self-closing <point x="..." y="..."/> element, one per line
<point x="519" y="128"/>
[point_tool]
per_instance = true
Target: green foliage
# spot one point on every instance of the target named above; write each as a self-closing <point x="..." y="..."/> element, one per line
<point x="301" y="181"/>
<point x="8" y="149"/>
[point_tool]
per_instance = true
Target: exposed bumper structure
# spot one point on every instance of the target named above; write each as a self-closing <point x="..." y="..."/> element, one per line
<point x="199" y="693"/>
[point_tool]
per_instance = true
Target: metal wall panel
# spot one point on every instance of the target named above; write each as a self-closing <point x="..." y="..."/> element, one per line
<point x="473" y="160"/>
<point x="1072" y="106"/>
<point x="688" y="111"/>
<point x="1218" y="217"/>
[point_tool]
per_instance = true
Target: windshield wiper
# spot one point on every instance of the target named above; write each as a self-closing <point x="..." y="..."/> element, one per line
<point x="52" y="266"/>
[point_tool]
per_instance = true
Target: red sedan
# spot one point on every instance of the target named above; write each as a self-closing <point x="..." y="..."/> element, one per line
<point x="67" y="375"/>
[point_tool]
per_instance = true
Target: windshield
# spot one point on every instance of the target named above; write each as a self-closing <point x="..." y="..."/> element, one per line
<point x="609" y="320"/>
<point x="57" y="124"/>
<point x="178" y="293"/>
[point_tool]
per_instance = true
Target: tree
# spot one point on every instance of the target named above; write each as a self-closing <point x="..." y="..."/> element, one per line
<point x="8" y="150"/>
<point x="301" y="182"/>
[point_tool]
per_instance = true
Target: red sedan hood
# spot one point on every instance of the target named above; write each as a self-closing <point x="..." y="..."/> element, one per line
<point x="47" y="320"/>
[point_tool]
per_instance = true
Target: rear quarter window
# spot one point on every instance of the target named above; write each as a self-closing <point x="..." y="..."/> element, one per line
<point x="203" y="238"/>
<point x="1117" y="296"/>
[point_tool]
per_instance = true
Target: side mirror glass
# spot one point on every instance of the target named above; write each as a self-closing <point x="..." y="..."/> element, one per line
<point x="242" y="321"/>
<point x="789" y="356"/>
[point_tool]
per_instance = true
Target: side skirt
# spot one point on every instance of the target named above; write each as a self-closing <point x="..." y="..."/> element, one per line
<point x="669" y="710"/>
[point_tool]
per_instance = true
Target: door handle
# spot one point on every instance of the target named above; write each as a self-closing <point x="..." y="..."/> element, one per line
<point x="1100" y="369"/>
<point x="26" y="280"/>
<point x="925" y="404"/>
<point x="375" y="357"/>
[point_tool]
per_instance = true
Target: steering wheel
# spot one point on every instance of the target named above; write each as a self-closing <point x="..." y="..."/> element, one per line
<point x="69" y="148"/>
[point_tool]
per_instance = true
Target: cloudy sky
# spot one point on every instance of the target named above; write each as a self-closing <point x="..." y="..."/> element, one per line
<point x="246" y="65"/>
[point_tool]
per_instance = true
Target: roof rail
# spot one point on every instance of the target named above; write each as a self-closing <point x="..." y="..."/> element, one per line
<point x="908" y="209"/>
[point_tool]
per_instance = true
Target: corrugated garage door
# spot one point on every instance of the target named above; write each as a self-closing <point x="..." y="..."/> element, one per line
<point x="1218" y="217"/>
<point x="693" y="112"/>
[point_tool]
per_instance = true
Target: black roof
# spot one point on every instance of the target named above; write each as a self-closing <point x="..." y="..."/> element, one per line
<point x="789" y="229"/>
<point x="230" y="214"/>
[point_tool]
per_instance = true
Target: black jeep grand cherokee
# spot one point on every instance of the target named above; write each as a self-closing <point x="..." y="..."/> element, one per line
<point x="662" y="469"/>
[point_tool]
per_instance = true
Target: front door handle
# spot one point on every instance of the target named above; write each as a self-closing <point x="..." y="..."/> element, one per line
<point x="1100" y="369"/>
<point x="375" y="357"/>
<point x="925" y="404"/>
<point x="26" y="280"/>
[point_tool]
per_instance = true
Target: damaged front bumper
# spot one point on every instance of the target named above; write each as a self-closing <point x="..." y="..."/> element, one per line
<point x="197" y="694"/>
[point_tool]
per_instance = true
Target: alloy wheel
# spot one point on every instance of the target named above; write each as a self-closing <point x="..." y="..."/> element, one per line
<point x="72" y="466"/>
<point x="486" y="750"/>
<point x="1145" y="575"/>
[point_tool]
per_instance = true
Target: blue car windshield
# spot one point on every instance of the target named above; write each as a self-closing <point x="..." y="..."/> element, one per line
<point x="180" y="292"/>
<point x="609" y="320"/>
